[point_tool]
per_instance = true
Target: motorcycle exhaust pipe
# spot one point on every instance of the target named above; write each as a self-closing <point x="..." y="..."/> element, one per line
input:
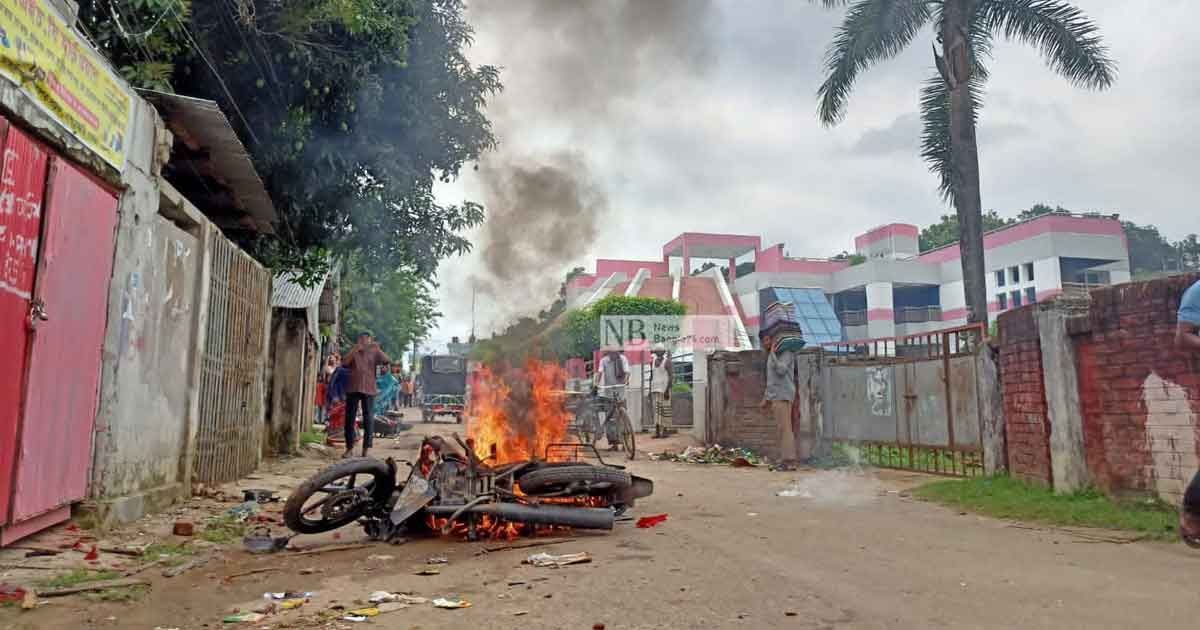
<point x="581" y="517"/>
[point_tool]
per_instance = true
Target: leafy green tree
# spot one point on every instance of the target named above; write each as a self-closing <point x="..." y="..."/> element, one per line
<point x="580" y="335"/>
<point x="1037" y="210"/>
<point x="946" y="231"/>
<point x="397" y="307"/>
<point x="350" y="109"/>
<point x="876" y="30"/>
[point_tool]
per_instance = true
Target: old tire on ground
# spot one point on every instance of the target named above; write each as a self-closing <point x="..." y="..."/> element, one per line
<point x="556" y="478"/>
<point x="379" y="478"/>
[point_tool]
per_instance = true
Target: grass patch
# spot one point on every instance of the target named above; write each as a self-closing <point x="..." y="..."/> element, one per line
<point x="1005" y="497"/>
<point x="171" y="554"/>
<point x="223" y="531"/>
<point x="840" y="456"/>
<point x="312" y="437"/>
<point x="77" y="577"/>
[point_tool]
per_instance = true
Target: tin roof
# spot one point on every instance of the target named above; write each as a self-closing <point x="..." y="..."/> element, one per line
<point x="207" y="151"/>
<point x="287" y="292"/>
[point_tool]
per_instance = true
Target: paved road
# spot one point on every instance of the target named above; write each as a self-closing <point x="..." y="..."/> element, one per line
<point x="851" y="551"/>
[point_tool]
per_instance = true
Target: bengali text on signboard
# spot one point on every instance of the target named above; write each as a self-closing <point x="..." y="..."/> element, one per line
<point x="66" y="76"/>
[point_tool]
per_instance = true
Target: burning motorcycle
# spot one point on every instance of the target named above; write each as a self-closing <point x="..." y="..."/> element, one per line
<point x="451" y="491"/>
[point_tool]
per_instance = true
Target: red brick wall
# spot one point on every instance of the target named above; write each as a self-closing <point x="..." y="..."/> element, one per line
<point x="1026" y="423"/>
<point x="1140" y="396"/>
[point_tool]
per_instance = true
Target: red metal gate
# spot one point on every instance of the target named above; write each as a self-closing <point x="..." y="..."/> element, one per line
<point x="63" y="381"/>
<point x="22" y="182"/>
<point x="55" y="261"/>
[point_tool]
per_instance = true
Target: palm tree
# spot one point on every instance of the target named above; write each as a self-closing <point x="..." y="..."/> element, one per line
<point x="876" y="30"/>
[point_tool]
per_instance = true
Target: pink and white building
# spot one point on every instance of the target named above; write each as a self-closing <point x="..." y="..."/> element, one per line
<point x="893" y="290"/>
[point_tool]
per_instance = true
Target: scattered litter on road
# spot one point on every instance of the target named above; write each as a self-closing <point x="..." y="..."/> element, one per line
<point x="92" y="555"/>
<point x="244" y="511"/>
<point x="752" y="514"/>
<point x="184" y="528"/>
<point x="388" y="607"/>
<point x="794" y="491"/>
<point x="259" y="495"/>
<point x="310" y="571"/>
<point x="11" y="592"/>
<point x="290" y="604"/>
<point x="380" y="558"/>
<point x="519" y="613"/>
<point x="554" y="562"/>
<point x="437" y="560"/>
<point x="260" y="540"/>
<point x="714" y="454"/>
<point x="290" y="595"/>
<point x="651" y="521"/>
<point x="310" y="552"/>
<point x="231" y="577"/>
<point x="429" y="571"/>
<point x="355" y="618"/>
<point x="443" y="602"/>
<point x="91" y="587"/>
<point x="246" y="617"/>
<point x="364" y="612"/>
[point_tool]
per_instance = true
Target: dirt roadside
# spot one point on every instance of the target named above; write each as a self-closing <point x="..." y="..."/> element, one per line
<point x="851" y="550"/>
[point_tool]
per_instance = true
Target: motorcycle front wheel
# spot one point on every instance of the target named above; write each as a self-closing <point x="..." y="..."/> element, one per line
<point x="338" y="495"/>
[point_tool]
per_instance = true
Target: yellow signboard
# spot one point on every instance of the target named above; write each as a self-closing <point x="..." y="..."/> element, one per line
<point x="66" y="76"/>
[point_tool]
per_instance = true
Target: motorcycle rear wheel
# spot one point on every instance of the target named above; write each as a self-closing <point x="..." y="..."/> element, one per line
<point x="338" y="483"/>
<point x="556" y="478"/>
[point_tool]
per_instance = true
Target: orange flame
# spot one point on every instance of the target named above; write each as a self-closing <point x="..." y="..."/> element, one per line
<point x="518" y="412"/>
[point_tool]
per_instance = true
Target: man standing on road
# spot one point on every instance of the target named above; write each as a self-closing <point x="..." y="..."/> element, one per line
<point x="660" y="387"/>
<point x="778" y="396"/>
<point x="363" y="362"/>
<point x="1187" y="337"/>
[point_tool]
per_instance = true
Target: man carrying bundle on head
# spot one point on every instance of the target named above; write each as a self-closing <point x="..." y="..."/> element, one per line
<point x="781" y="337"/>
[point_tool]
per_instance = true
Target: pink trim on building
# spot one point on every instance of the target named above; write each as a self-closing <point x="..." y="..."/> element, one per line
<point x="582" y="281"/>
<point x="954" y="313"/>
<point x="606" y="267"/>
<point x="881" y="315"/>
<point x="886" y="231"/>
<point x="704" y="238"/>
<point x="1029" y="229"/>
<point x="772" y="259"/>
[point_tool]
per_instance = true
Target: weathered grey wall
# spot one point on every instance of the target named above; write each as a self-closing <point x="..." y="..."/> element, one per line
<point x="286" y="377"/>
<point x="991" y="412"/>
<point x="1068" y="461"/>
<point x="146" y="416"/>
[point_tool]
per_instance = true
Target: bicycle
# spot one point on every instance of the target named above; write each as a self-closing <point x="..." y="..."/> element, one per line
<point x="616" y="426"/>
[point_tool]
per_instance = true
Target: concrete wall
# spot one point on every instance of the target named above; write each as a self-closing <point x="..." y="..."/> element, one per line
<point x="287" y="377"/>
<point x="145" y="423"/>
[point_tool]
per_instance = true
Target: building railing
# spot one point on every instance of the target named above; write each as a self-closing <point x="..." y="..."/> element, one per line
<point x="918" y="314"/>
<point x="853" y="318"/>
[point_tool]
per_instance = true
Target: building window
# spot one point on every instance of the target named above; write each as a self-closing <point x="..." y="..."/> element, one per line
<point x="1030" y="295"/>
<point x="1014" y="274"/>
<point x="1000" y="278"/>
<point x="1002" y="300"/>
<point x="1028" y="272"/>
<point x="1016" y="298"/>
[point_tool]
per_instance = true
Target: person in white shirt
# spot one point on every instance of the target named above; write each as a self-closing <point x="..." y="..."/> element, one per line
<point x="612" y="377"/>
<point x="660" y="387"/>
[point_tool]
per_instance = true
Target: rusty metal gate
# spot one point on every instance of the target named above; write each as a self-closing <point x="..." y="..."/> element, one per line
<point x="232" y="390"/>
<point x="909" y="402"/>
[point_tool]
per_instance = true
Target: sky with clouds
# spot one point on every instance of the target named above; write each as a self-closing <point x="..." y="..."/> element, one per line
<point x="705" y="121"/>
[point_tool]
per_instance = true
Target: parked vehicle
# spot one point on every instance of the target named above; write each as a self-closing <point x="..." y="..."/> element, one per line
<point x="451" y="490"/>
<point x="443" y="387"/>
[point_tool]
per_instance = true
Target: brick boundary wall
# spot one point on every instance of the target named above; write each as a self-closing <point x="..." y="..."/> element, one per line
<point x="1026" y="422"/>
<point x="1140" y="396"/>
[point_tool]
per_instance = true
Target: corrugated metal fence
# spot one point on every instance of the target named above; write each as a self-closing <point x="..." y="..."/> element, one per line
<point x="232" y="391"/>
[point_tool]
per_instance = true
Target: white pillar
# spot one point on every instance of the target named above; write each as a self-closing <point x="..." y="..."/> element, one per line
<point x="881" y="316"/>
